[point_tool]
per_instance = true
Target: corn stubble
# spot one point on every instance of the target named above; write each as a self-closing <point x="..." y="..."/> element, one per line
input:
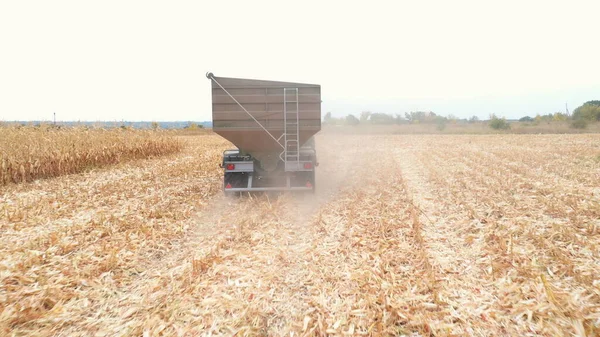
<point x="422" y="235"/>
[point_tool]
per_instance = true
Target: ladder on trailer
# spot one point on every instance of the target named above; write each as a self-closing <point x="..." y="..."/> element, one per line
<point x="291" y="129"/>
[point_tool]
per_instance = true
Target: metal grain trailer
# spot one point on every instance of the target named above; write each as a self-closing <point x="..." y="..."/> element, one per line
<point x="272" y="124"/>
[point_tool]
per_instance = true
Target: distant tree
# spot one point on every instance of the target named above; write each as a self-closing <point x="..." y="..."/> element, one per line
<point x="330" y="120"/>
<point x="364" y="116"/>
<point x="497" y="123"/>
<point x="352" y="120"/>
<point x="399" y="119"/>
<point x="543" y="118"/>
<point x="155" y="125"/>
<point x="526" y="119"/>
<point x="421" y="116"/>
<point x="441" y="123"/>
<point x="579" y="124"/>
<point x="473" y="119"/>
<point x="590" y="110"/>
<point x="451" y="118"/>
<point x="559" y="117"/>
<point x="381" y="118"/>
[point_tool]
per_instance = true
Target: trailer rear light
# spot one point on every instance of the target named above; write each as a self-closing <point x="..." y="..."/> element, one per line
<point x="228" y="185"/>
<point x="230" y="167"/>
<point x="308" y="184"/>
<point x="307" y="166"/>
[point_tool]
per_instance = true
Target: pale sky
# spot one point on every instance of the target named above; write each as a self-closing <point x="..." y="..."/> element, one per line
<point x="146" y="60"/>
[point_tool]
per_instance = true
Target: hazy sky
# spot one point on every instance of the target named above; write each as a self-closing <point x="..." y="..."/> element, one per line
<point x="146" y="60"/>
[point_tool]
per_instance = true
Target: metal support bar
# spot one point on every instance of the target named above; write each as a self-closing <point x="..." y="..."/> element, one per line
<point x="265" y="189"/>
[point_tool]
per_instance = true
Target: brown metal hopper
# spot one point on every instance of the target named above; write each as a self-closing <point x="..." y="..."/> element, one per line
<point x="260" y="108"/>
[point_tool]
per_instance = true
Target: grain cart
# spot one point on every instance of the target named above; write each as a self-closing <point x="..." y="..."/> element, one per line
<point x="272" y="124"/>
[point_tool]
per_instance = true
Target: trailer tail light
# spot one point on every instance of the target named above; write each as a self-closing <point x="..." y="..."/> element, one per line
<point x="228" y="185"/>
<point x="230" y="167"/>
<point x="308" y="184"/>
<point x="307" y="166"/>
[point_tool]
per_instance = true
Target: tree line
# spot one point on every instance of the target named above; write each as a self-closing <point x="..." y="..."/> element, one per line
<point x="589" y="111"/>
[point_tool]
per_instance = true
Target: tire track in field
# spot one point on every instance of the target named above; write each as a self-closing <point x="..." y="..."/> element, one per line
<point x="223" y="213"/>
<point x="462" y="288"/>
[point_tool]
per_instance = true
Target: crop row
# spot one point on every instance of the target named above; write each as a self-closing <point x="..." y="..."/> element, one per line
<point x="30" y="153"/>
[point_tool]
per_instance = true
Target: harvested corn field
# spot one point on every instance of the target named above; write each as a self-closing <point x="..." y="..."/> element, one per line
<point x="34" y="152"/>
<point x="486" y="235"/>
